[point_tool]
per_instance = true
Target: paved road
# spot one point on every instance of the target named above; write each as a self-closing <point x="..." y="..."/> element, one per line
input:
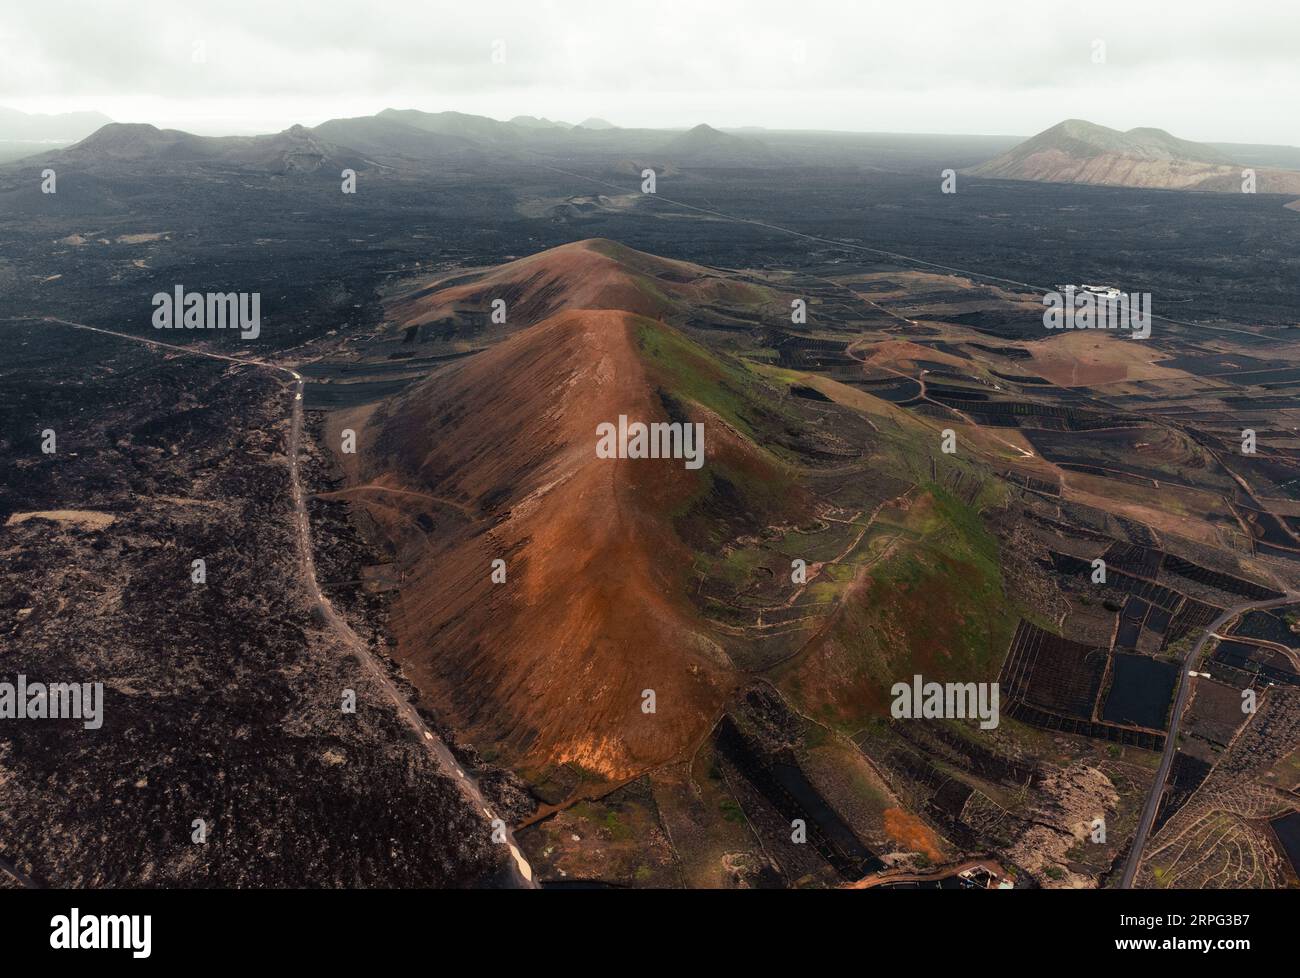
<point x="520" y="873"/>
<point x="1171" y="742"/>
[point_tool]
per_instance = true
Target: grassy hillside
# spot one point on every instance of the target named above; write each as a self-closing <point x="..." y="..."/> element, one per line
<point x="933" y="603"/>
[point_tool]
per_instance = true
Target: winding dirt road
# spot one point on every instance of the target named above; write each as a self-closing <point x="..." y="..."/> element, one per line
<point x="520" y="873"/>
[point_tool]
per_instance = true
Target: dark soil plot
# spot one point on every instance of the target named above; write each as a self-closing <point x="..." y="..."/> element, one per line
<point x="1138" y="533"/>
<point x="1258" y="405"/>
<point x="1127" y="636"/>
<point x="1053" y="673"/>
<point x="1113" y="449"/>
<point x="1135" y="609"/>
<point x="808" y="393"/>
<point x="952" y="349"/>
<point x="957" y="395"/>
<point x="1221" y="363"/>
<point x="1142" y="561"/>
<point x="952" y="797"/>
<point x="1276" y="477"/>
<point x="1287" y="829"/>
<point x="1185" y="777"/>
<point x="900" y="391"/>
<point x="1154" y="594"/>
<point x="1140" y="691"/>
<point x="1280" y="552"/>
<point x="785" y="786"/>
<point x="1216" y="713"/>
<point x="1267" y="528"/>
<point x="1268" y="664"/>
<point x="1128" y="736"/>
<point x="875" y="285"/>
<point x="1290" y="374"/>
<point x="1003" y="324"/>
<point x="325" y="397"/>
<point x="1010" y="352"/>
<point x="1220" y="581"/>
<point x="1158" y="620"/>
<point x="942" y="742"/>
<point x="1267" y="627"/>
<point x="1029" y="379"/>
<point x="1192" y="616"/>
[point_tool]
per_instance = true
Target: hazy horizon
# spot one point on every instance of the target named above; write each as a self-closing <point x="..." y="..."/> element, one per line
<point x="1210" y="74"/>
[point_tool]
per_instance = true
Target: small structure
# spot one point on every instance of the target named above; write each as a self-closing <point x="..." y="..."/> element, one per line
<point x="1104" y="291"/>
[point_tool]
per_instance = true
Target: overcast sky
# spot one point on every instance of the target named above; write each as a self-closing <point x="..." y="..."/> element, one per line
<point x="1224" y="71"/>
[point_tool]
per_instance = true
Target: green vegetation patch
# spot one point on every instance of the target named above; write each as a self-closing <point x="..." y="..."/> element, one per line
<point x="726" y="388"/>
<point x="936" y="607"/>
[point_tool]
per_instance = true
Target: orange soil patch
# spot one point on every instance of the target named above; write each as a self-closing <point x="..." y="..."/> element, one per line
<point x="87" y="519"/>
<point x="892" y="353"/>
<point x="590" y="274"/>
<point x="1087" y="358"/>
<point x="550" y="666"/>
<point x="1152" y="507"/>
<point x="912" y="834"/>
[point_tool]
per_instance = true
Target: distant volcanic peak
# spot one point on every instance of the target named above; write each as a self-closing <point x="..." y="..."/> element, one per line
<point x="296" y="149"/>
<point x="596" y="123"/>
<point x="121" y="131"/>
<point x="705" y="142"/>
<point x="1078" y="151"/>
<point x="1144" y="142"/>
<point x="138" y="141"/>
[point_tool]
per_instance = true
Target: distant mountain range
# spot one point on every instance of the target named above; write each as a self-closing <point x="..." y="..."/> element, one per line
<point x="1076" y="151"/>
<point x="22" y="134"/>
<point x="394" y="135"/>
<point x="297" y="149"/>
<point x="18" y="126"/>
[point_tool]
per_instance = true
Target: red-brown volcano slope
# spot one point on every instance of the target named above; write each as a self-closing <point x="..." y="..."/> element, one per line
<point x="551" y="666"/>
<point x="592" y="274"/>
